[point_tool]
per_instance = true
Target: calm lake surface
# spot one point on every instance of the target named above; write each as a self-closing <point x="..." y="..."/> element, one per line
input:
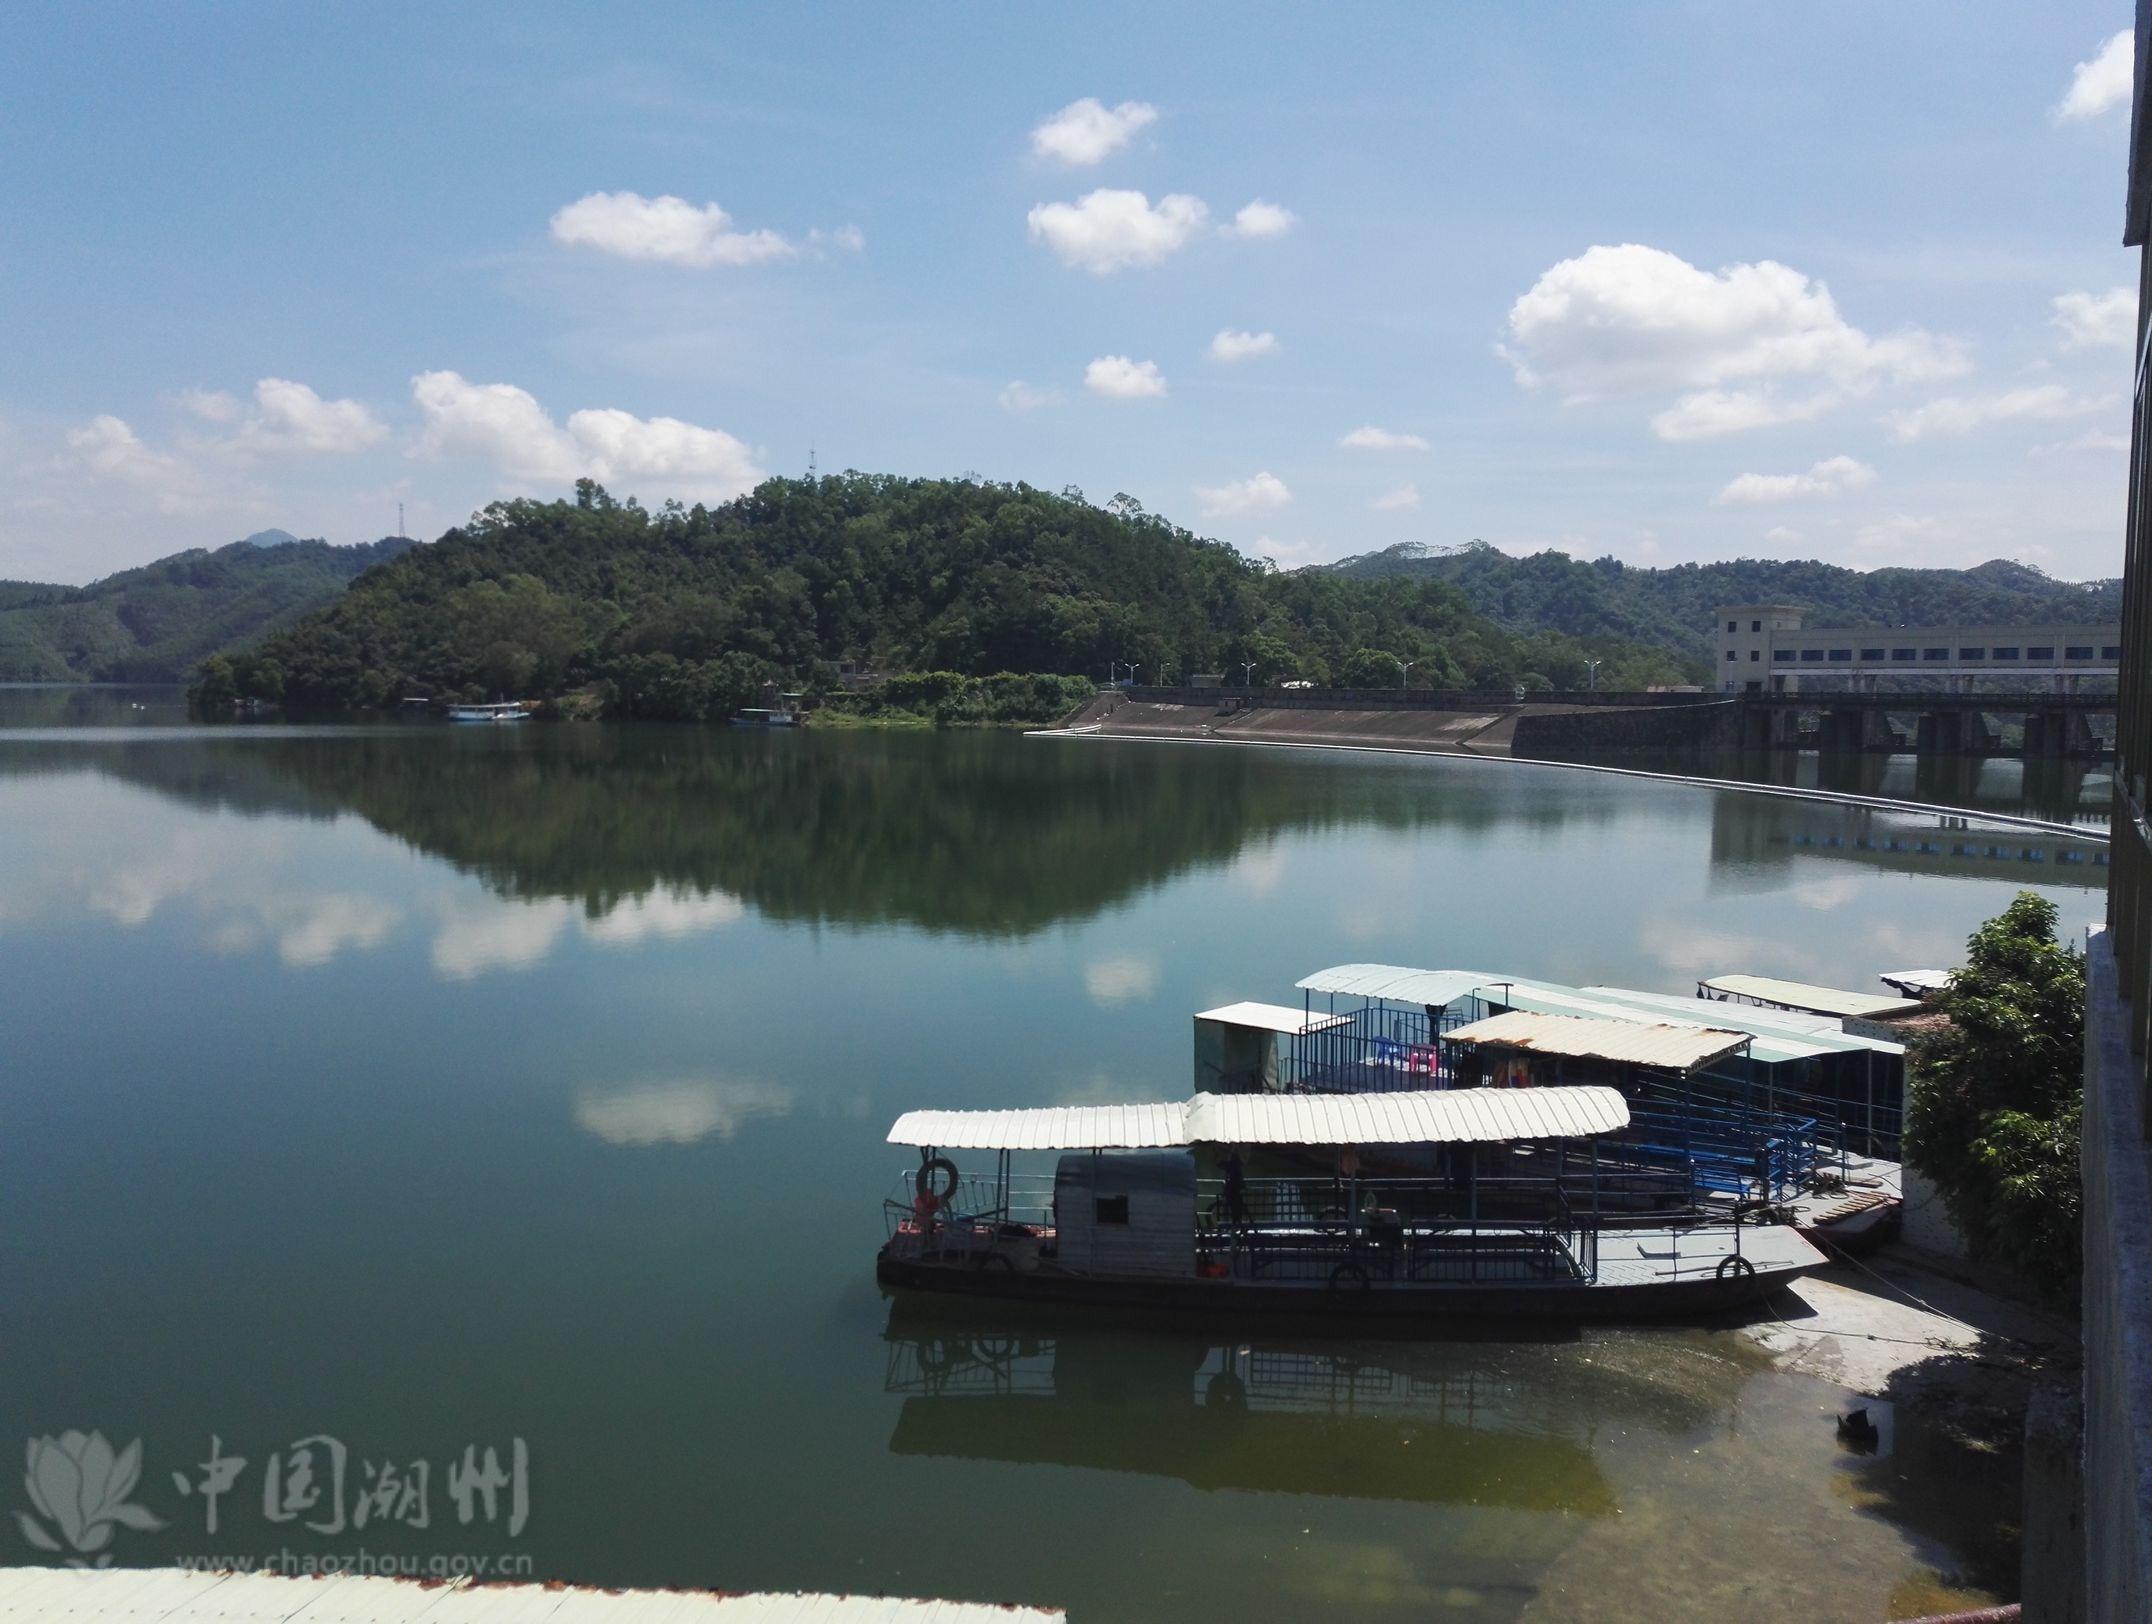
<point x="421" y="1090"/>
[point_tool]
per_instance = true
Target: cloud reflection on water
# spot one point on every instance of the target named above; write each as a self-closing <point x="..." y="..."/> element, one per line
<point x="677" y="1113"/>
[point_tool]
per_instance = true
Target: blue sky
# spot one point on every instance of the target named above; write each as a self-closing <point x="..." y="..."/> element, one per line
<point x="1665" y="282"/>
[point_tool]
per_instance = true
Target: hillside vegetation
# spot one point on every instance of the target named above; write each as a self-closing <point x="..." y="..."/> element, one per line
<point x="1673" y="608"/>
<point x="682" y="613"/>
<point x="156" y="623"/>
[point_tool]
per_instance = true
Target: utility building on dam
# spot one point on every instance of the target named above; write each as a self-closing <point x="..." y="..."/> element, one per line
<point x="1764" y="649"/>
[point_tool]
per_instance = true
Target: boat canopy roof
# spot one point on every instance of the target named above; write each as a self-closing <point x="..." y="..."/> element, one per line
<point x="1801" y="995"/>
<point x="1398" y="983"/>
<point x="1585" y="1037"/>
<point x="1420" y="1117"/>
<point x="1273" y="1018"/>
<point x="1780" y="1034"/>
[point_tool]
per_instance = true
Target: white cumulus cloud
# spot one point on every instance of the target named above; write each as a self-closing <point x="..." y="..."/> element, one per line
<point x="1634" y="320"/>
<point x="2102" y="83"/>
<point x="1230" y="345"/>
<point x="1962" y="414"/>
<point x="2090" y="320"/>
<point x="1261" y="219"/>
<point x="1118" y="378"/>
<point x="1370" y="438"/>
<point x="1404" y="499"/>
<point x="109" y="447"/>
<point x="211" y="405"/>
<point x="1088" y="131"/>
<point x="289" y="419"/>
<point x="665" y="230"/>
<point x="1262" y="493"/>
<point x="1115" y="230"/>
<point x="1709" y="413"/>
<point x="504" y="425"/>
<point x="1020" y="396"/>
<point x="1826" y="478"/>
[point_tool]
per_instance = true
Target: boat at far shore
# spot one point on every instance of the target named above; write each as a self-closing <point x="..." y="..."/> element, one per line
<point x="509" y="710"/>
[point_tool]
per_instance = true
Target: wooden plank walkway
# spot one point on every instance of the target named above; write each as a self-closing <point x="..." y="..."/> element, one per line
<point x="181" y="1596"/>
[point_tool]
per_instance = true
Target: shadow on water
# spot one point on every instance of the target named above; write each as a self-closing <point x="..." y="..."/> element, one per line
<point x="1953" y="1463"/>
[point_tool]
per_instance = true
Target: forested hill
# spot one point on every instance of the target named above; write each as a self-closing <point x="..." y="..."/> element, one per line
<point x="156" y="623"/>
<point x="683" y="612"/>
<point x="1673" y="608"/>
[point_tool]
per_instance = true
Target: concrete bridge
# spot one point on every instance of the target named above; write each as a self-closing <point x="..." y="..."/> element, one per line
<point x="2055" y="724"/>
<point x="1956" y="722"/>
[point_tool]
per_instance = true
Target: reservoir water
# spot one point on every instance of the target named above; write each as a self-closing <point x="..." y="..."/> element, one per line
<point x="482" y="1130"/>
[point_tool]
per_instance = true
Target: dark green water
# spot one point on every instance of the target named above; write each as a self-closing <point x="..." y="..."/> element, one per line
<point x="426" y="1087"/>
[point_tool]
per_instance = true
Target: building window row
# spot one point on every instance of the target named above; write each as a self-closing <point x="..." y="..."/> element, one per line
<point x="1906" y="656"/>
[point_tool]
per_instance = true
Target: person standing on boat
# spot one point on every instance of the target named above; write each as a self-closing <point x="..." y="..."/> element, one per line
<point x="1236" y="1189"/>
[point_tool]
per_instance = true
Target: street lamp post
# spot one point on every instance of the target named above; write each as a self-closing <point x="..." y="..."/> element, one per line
<point x="1591" y="674"/>
<point x="1408" y="665"/>
<point x="1247" y="673"/>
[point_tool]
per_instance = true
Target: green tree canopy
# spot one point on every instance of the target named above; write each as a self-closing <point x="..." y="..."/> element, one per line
<point x="801" y="576"/>
<point x="1993" y="1100"/>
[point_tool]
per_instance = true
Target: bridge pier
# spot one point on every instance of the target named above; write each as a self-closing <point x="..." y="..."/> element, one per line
<point x="1956" y="733"/>
<point x="1856" y="728"/>
<point x="1949" y="724"/>
<point x="2059" y="733"/>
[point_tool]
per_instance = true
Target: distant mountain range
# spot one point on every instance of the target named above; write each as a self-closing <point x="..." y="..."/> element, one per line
<point x="156" y="623"/>
<point x="1673" y="608"/>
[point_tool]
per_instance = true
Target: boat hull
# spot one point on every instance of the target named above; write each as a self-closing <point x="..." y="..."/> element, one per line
<point x="1696" y="1297"/>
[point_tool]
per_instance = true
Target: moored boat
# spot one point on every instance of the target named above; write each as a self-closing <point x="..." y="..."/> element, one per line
<point x="1128" y="1220"/>
<point x="512" y="710"/>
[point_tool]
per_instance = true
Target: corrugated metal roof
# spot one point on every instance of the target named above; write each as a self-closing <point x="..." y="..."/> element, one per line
<point x="1584" y="1037"/>
<point x="1612" y="1004"/>
<point x="1781" y="1034"/>
<point x="1802" y="995"/>
<point x="177" y="1595"/>
<point x="1051" y="1127"/>
<point x="1398" y="983"/>
<point x="1273" y="1018"/>
<point x="1419" y="1117"/>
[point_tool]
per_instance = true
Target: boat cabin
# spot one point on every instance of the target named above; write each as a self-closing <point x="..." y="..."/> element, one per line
<point x="1129" y="1213"/>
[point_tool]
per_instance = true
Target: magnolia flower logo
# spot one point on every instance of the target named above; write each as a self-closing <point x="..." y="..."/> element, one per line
<point x="79" y="1485"/>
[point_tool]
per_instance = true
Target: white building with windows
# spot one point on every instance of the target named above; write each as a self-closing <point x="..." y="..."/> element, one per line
<point x="1763" y="648"/>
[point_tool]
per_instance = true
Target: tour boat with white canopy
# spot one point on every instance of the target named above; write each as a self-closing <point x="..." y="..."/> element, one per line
<point x="1508" y="1220"/>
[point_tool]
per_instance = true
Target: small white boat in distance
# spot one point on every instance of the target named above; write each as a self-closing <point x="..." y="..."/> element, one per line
<point x="506" y="711"/>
